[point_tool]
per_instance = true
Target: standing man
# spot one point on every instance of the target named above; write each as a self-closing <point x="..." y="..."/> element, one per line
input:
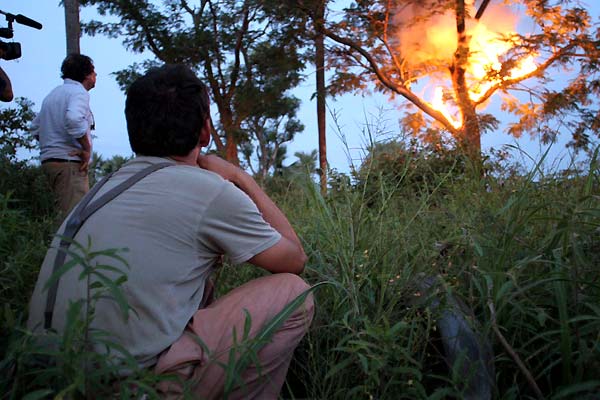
<point x="177" y="222"/>
<point x="63" y="127"/>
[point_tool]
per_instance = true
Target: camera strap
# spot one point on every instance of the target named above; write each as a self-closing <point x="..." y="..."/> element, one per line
<point x="82" y="212"/>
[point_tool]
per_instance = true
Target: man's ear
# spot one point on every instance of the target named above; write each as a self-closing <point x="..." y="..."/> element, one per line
<point x="204" y="139"/>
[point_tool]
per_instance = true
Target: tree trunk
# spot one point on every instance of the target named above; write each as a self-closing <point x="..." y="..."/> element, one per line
<point x="231" y="151"/>
<point x="215" y="136"/>
<point x="320" y="66"/>
<point x="72" y="27"/>
<point x="470" y="133"/>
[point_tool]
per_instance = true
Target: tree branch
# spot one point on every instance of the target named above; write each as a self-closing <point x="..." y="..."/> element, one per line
<point x="216" y="48"/>
<point x="541" y="68"/>
<point x="238" y="46"/>
<point x="384" y="40"/>
<point x="186" y="7"/>
<point x="401" y="90"/>
<point x="216" y="138"/>
<point x="138" y="19"/>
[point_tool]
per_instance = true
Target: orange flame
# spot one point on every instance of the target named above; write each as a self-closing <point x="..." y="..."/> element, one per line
<point x="434" y="40"/>
<point x="484" y="61"/>
<point x="439" y="104"/>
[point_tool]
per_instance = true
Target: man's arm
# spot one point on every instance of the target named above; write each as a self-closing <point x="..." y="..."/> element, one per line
<point x="76" y="114"/>
<point x="76" y="124"/>
<point x="288" y="254"/>
<point x="6" y="93"/>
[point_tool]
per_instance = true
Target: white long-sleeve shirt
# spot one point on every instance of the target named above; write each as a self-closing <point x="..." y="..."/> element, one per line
<point x="65" y="117"/>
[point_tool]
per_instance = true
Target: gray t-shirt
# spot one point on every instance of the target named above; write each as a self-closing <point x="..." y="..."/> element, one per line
<point x="175" y="223"/>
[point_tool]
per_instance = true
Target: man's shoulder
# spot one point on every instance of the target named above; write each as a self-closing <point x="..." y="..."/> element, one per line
<point x="181" y="177"/>
<point x="185" y="180"/>
<point x="207" y="184"/>
<point x="194" y="177"/>
<point x="66" y="90"/>
<point x="74" y="87"/>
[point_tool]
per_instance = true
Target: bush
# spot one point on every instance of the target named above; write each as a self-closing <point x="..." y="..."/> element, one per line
<point x="27" y="188"/>
<point x="409" y="168"/>
<point x="521" y="251"/>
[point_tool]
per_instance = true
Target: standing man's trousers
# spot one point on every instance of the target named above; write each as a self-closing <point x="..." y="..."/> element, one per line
<point x="68" y="184"/>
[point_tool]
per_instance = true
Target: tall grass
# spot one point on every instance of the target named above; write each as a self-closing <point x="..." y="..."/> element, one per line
<point x="522" y="252"/>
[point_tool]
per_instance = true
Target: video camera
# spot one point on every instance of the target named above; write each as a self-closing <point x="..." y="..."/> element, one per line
<point x="12" y="51"/>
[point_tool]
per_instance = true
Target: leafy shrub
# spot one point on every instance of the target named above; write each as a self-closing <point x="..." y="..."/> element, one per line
<point x="13" y="125"/>
<point x="23" y="243"/>
<point x="521" y="252"/>
<point x="66" y="366"/>
<point x="400" y="167"/>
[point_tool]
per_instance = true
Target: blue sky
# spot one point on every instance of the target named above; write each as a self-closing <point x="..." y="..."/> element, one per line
<point x="37" y="72"/>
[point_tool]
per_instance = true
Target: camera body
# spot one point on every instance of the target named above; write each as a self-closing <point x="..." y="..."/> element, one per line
<point x="10" y="51"/>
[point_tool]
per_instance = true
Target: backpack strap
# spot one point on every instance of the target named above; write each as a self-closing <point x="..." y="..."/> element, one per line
<point x="82" y="212"/>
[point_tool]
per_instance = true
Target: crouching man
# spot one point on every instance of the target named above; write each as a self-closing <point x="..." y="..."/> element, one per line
<point x="177" y="222"/>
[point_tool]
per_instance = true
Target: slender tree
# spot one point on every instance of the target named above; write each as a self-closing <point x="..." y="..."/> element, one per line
<point x="269" y="72"/>
<point x="319" y="21"/>
<point x="310" y="19"/>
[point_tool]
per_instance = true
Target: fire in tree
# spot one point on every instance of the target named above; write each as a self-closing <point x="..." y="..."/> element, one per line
<point x="448" y="60"/>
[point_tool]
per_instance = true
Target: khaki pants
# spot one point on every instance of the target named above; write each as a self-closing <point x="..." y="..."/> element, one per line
<point x="263" y="298"/>
<point x="68" y="184"/>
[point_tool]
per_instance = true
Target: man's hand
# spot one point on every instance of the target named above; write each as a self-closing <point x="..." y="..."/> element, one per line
<point x="85" y="156"/>
<point x="213" y="163"/>
<point x="84" y="153"/>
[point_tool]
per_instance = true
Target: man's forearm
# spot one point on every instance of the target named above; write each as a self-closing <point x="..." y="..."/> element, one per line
<point x="84" y="141"/>
<point x="269" y="210"/>
<point x="85" y="153"/>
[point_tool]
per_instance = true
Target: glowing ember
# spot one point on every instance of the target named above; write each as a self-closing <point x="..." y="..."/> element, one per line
<point x="438" y="103"/>
<point x="486" y="48"/>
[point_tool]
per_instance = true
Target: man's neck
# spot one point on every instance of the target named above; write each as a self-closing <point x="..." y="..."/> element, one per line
<point x="188" y="159"/>
<point x="73" y="81"/>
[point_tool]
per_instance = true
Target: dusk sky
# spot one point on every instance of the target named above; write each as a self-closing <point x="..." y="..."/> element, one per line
<point x="38" y="71"/>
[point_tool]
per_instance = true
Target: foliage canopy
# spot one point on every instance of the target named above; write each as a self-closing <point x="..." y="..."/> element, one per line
<point x="403" y="44"/>
<point x="248" y="53"/>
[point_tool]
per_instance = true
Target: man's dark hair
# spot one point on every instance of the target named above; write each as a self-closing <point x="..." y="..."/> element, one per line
<point x="76" y="67"/>
<point x="165" y="111"/>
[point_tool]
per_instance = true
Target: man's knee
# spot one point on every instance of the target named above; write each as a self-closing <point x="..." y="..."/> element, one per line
<point x="297" y="286"/>
<point x="291" y="282"/>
